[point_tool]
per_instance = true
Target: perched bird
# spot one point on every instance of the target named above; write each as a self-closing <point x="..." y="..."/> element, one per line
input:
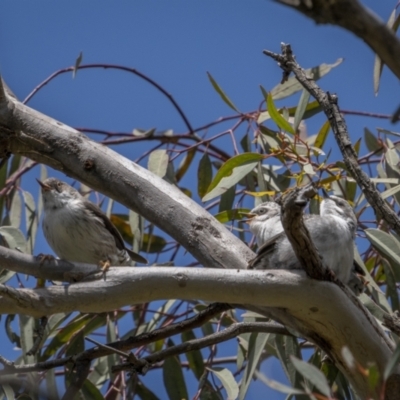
<point x="332" y="232"/>
<point x="265" y="221"/>
<point x="78" y="231"/>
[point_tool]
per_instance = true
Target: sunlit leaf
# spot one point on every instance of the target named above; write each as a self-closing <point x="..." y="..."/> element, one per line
<point x="228" y="382"/>
<point x="322" y="135"/>
<point x="30" y="220"/>
<point x="158" y="162"/>
<point x="275" y="115"/>
<point x="231" y="172"/>
<point x="231" y="215"/>
<point x="150" y="243"/>
<point x="292" y="85"/>
<point x="222" y="94"/>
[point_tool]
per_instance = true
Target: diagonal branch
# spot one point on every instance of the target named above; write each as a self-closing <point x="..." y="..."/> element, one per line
<point x="329" y="104"/>
<point x="353" y="16"/>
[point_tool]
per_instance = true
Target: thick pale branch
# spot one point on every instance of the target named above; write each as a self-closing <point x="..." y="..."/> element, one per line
<point x="29" y="133"/>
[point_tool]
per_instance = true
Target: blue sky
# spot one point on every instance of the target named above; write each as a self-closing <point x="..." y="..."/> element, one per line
<point x="176" y="43"/>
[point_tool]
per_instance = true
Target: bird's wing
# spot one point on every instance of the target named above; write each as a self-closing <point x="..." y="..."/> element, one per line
<point x="267" y="248"/>
<point x="114" y="231"/>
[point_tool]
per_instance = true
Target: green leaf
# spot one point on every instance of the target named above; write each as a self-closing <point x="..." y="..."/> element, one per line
<point x="312" y="109"/>
<point x="30" y="220"/>
<point x="301" y="108"/>
<point x="313" y="375"/>
<point x="292" y="85"/>
<point x="77" y="64"/>
<point x="392" y="363"/>
<point x="322" y="135"/>
<point x="174" y="381"/>
<point x="194" y="357"/>
<point x="222" y="94"/>
<point x="371" y="140"/>
<point x="185" y="164"/>
<point x="158" y="162"/>
<point x="3" y="178"/>
<point x="387" y="245"/>
<point x="231" y="215"/>
<point x="204" y="175"/>
<point x="228" y="382"/>
<point x="14" y="238"/>
<point x="256" y="346"/>
<point x="378" y="64"/>
<point x="144" y="392"/>
<point x="16" y="210"/>
<point x="280" y="387"/>
<point x="8" y="391"/>
<point x="227" y="199"/>
<point x="231" y="172"/>
<point x="275" y="115"/>
<point x="90" y="391"/>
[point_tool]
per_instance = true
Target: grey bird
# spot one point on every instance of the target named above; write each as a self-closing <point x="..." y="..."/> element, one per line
<point x="333" y="233"/>
<point x="78" y="231"/>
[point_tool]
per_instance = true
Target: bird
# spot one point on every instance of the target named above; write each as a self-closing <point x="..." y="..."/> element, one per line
<point x="78" y="231"/>
<point x="332" y="232"/>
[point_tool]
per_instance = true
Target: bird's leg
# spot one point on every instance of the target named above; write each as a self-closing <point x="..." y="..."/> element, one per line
<point x="44" y="257"/>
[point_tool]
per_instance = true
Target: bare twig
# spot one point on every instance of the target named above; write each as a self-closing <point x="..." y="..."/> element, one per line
<point x="196" y="344"/>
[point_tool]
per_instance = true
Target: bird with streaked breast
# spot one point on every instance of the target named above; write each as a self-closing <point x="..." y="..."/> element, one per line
<point x="332" y="232"/>
<point x="78" y="231"/>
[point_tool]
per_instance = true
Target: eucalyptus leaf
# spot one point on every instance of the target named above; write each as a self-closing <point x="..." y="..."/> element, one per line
<point x="221" y="93"/>
<point x="174" y="381"/>
<point x="158" y="162"/>
<point x="228" y="382"/>
<point x="292" y="85"/>
<point x="301" y="108"/>
<point x="387" y="245"/>
<point x="14" y="238"/>
<point x="204" y="175"/>
<point x="231" y="172"/>
<point x="313" y="375"/>
<point x="256" y="347"/>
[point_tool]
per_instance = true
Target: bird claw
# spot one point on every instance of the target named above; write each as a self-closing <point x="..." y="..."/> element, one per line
<point x="44" y="257"/>
<point x="105" y="265"/>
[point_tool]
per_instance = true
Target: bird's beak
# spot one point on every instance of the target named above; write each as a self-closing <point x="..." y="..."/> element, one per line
<point x="249" y="216"/>
<point x="45" y="188"/>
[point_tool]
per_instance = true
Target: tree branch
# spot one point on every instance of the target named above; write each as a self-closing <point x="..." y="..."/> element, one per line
<point x="29" y="133"/>
<point x="329" y="104"/>
<point x="353" y="16"/>
<point x="142" y="365"/>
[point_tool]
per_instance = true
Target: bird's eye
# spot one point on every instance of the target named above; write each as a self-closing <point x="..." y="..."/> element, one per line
<point x="262" y="211"/>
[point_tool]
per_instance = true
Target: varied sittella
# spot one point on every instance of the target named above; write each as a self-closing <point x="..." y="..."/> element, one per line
<point x="78" y="231"/>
